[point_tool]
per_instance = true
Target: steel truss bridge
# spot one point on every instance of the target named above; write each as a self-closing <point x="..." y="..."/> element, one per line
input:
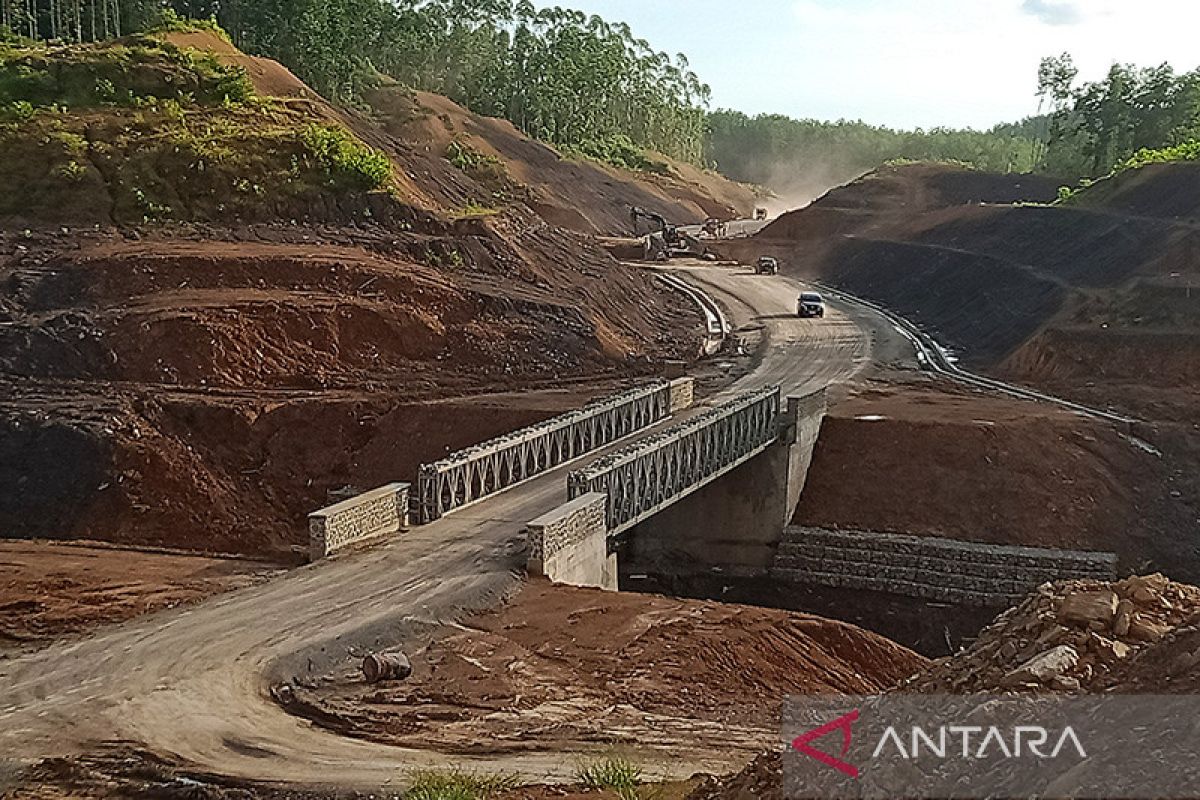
<point x="654" y="473"/>
<point x="470" y="475"/>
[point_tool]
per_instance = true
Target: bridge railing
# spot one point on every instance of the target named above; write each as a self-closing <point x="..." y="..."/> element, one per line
<point x="643" y="478"/>
<point x="476" y="472"/>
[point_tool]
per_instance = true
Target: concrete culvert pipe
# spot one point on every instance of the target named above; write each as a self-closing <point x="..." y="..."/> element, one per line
<point x="379" y="667"/>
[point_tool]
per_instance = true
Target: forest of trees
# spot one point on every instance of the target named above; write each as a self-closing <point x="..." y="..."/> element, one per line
<point x="559" y="75"/>
<point x="1096" y="126"/>
<point x="578" y="81"/>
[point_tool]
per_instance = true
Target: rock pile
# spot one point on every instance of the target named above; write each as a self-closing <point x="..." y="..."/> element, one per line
<point x="1069" y="637"/>
<point x="1140" y="634"/>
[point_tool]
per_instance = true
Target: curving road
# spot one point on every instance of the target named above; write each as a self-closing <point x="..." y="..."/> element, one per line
<point x="194" y="684"/>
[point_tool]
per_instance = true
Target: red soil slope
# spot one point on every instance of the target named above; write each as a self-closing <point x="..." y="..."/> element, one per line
<point x="582" y="195"/>
<point x="207" y="395"/>
<point x="1062" y="296"/>
<point x="565" y="667"/>
<point x="205" y="388"/>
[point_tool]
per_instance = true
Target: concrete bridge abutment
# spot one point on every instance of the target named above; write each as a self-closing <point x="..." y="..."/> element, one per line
<point x="734" y="524"/>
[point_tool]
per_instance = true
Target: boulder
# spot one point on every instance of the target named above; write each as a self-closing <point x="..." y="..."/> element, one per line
<point x="1044" y="667"/>
<point x="1092" y="608"/>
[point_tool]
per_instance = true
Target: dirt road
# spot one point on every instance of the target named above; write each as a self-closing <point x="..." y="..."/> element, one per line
<point x="194" y="684"/>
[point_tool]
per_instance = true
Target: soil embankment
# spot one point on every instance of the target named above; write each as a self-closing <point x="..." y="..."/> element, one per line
<point x="1138" y="634"/>
<point x="1068" y="297"/>
<point x="208" y="395"/>
<point x="563" y="668"/>
<point x="49" y="590"/>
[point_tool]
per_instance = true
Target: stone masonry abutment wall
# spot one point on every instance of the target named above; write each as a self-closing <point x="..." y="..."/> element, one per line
<point x="371" y="515"/>
<point x="944" y="570"/>
<point x="570" y="544"/>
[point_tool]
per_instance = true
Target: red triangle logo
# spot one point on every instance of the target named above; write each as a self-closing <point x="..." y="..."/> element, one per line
<point x="801" y="743"/>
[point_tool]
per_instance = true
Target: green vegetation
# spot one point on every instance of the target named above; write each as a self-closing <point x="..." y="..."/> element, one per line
<point x="478" y="165"/>
<point x="1098" y="127"/>
<point x="135" y="72"/>
<point x="458" y="785"/>
<point x="137" y="130"/>
<point x="616" y="774"/>
<point x="590" y="87"/>
<point x="171" y="22"/>
<point x="559" y="75"/>
<point x="1186" y="151"/>
<point x="345" y="160"/>
<point x="475" y="210"/>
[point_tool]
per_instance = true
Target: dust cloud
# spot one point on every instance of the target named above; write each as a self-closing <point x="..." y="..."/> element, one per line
<point x="795" y="184"/>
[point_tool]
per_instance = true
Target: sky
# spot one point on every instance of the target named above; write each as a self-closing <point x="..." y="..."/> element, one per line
<point x="902" y="63"/>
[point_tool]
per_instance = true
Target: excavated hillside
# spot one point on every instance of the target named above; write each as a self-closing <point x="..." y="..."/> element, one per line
<point x="1075" y="298"/>
<point x="1090" y="300"/>
<point x="225" y="301"/>
<point x="455" y="160"/>
<point x="502" y="164"/>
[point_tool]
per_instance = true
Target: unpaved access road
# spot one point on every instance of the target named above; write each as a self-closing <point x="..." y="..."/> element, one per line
<point x="194" y="684"/>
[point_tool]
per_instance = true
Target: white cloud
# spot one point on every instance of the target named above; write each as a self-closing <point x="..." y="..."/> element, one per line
<point x="963" y="62"/>
<point x="1053" y="12"/>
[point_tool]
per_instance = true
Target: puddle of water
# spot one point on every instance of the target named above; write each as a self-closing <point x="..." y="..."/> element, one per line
<point x="871" y="418"/>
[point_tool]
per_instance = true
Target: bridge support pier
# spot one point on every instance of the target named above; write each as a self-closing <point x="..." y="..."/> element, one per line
<point x="735" y="523"/>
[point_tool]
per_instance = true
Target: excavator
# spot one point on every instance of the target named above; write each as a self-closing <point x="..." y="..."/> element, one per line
<point x="670" y="233"/>
<point x="668" y="240"/>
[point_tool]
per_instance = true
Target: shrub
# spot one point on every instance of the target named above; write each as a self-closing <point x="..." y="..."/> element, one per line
<point x="616" y="774"/>
<point x="458" y="785"/>
<point x="72" y="171"/>
<point x="1185" y="151"/>
<point x="17" y="111"/>
<point x="346" y="161"/>
<point x="618" y="150"/>
<point x="171" y="22"/>
<point x="480" y="166"/>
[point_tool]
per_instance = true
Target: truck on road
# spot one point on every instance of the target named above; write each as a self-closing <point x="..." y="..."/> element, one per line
<point x="766" y="266"/>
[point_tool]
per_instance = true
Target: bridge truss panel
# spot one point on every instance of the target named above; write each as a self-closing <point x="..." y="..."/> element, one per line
<point x="469" y="475"/>
<point x="643" y="478"/>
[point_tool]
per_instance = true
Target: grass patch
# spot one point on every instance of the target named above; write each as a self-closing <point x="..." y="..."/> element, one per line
<point x="613" y="773"/>
<point x="943" y="162"/>
<point x="458" y="785"/>
<point x="137" y="129"/>
<point x="346" y="161"/>
<point x="619" y="151"/>
<point x="136" y="71"/>
<point x="209" y="164"/>
<point x="483" y="167"/>
<point x="474" y="210"/>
